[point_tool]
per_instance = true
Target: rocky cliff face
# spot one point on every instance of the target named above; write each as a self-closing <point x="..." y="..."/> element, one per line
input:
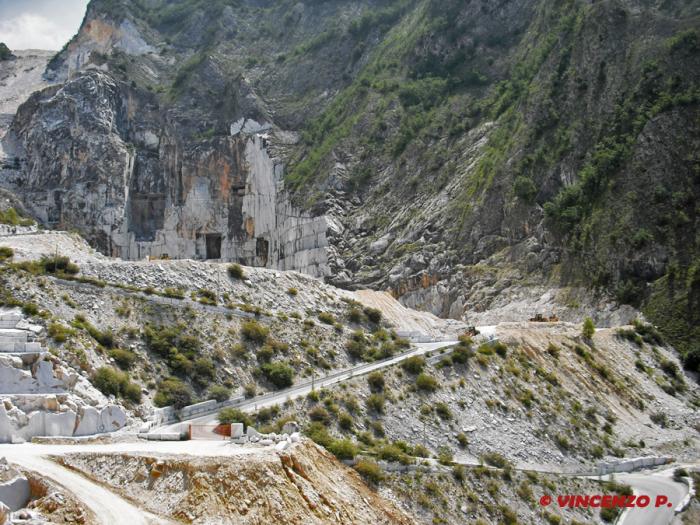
<point x="453" y="152"/>
<point x="98" y="155"/>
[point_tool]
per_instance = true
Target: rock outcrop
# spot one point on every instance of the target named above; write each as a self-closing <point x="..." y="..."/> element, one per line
<point x="147" y="194"/>
<point x="39" y="396"/>
<point x="302" y="484"/>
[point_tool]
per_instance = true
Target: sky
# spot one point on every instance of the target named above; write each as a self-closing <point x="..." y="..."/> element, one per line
<point x="39" y="24"/>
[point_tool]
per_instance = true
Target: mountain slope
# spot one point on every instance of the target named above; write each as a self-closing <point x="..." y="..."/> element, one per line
<point x="455" y="153"/>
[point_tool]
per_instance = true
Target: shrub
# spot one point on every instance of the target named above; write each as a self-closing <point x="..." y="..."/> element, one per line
<point x="343" y="449"/>
<point x="174" y="293"/>
<point x="495" y="460"/>
<point x="355" y="315"/>
<point x="279" y="374"/>
<point x="376" y="381"/>
<point x="265" y="354"/>
<point x="59" y="264"/>
<point x="30" y="309"/>
<point x="370" y="471"/>
<point x="462" y="440"/>
<point x="60" y="333"/>
<point x="203" y="370"/>
<point x="500" y="349"/>
<point x="219" y="393"/>
<point x="659" y="418"/>
<point x="109" y="381"/>
<point x="326" y="318"/>
<point x="233" y="415"/>
<point x="250" y="390"/>
<point x="510" y="517"/>
<point x="393" y="453"/>
<point x="235" y="271"/>
<point x="172" y="391"/>
<point x="207" y="296"/>
<point x="609" y="514"/>
<point x="320" y="414"/>
<point x="319" y="434"/>
<point x="345" y="421"/>
<point x="10" y="215"/>
<point x="443" y="411"/>
<point x="414" y="364"/>
<point x="445" y="455"/>
<point x="462" y="354"/>
<point x="374" y="315"/>
<point x="426" y="383"/>
<point x="124" y="358"/>
<point x="375" y="403"/>
<point x="588" y="328"/>
<point x="553" y="350"/>
<point x="525" y="189"/>
<point x="103" y="337"/>
<point x="254" y="331"/>
<point x="132" y="392"/>
<point x="679" y="474"/>
<point x="293" y="292"/>
<point x="6" y="253"/>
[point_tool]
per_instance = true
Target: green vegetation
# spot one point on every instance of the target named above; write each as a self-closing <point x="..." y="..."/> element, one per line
<point x="588" y="329"/>
<point x="5" y="53"/>
<point x="375" y="380"/>
<point x="414" y="364"/>
<point x="370" y="471"/>
<point x="112" y="382"/>
<point x="234" y="415"/>
<point x="426" y="383"/>
<point x="124" y="358"/>
<point x="58" y="264"/>
<point x="10" y="215"/>
<point x="219" y="393"/>
<point x="179" y="349"/>
<point x="326" y="318"/>
<point x="174" y="293"/>
<point x="6" y="253"/>
<point x="235" y="271"/>
<point x="172" y="391"/>
<point x="60" y="333"/>
<point x="103" y="337"/>
<point x="254" y="332"/>
<point x="496" y="460"/>
<point x="373" y="315"/>
<point x="279" y="374"/>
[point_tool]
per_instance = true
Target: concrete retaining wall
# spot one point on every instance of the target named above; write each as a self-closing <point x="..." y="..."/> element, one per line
<point x="163" y="436"/>
<point x="631" y="464"/>
<point x="170" y="414"/>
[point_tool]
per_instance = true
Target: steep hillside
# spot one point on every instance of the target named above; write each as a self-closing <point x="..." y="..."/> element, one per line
<point x="543" y="397"/>
<point x="303" y="484"/>
<point x="164" y="332"/>
<point x="453" y="152"/>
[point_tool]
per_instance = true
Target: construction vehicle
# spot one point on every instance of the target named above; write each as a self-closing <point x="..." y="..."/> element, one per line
<point x="539" y="318"/>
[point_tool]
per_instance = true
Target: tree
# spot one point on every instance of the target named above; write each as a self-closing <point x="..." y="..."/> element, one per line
<point x="5" y="53"/>
<point x="588" y="328"/>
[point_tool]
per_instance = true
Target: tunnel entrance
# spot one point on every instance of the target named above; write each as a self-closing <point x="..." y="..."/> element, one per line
<point x="213" y="245"/>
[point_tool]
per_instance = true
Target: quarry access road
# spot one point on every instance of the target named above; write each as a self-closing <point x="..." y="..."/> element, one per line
<point x="301" y="389"/>
<point x="652" y="485"/>
<point x="107" y="506"/>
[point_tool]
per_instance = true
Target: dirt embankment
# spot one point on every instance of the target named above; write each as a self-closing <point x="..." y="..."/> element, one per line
<point x="303" y="485"/>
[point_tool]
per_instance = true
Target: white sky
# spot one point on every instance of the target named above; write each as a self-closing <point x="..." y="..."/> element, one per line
<point x="39" y="24"/>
